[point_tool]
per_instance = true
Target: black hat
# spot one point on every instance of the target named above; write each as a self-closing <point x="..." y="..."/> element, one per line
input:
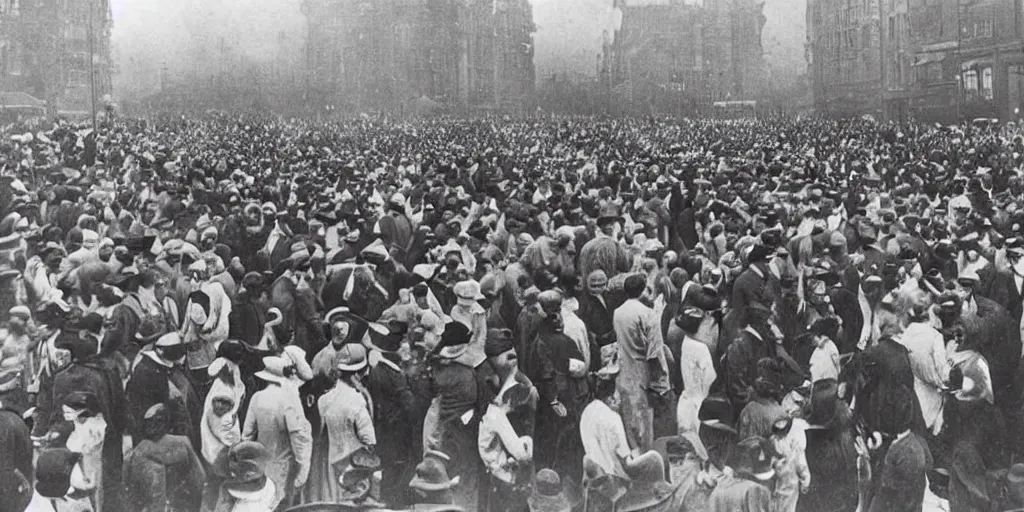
<point x="53" y="472"/>
<point x="454" y="340"/>
<point x="759" y="253"/>
<point x="392" y="340"/>
<point x="751" y="458"/>
<point x="907" y="253"/>
<point x="498" y="342"/>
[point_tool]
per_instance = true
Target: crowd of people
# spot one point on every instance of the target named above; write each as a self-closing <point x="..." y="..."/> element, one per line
<point x="248" y="313"/>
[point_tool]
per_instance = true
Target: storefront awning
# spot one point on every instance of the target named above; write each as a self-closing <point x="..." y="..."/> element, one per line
<point x="973" y="63"/>
<point x="929" y="58"/>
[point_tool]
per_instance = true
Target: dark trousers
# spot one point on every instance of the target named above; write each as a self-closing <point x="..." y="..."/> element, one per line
<point x="499" y="496"/>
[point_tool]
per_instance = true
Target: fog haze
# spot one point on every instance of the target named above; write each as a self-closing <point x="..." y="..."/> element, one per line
<point x="194" y="39"/>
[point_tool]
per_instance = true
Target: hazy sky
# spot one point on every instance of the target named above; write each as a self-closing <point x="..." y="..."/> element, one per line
<point x="186" y="34"/>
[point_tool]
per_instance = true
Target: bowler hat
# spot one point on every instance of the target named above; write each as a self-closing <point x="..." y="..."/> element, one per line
<point x="431" y="475"/>
<point x="548" y="495"/>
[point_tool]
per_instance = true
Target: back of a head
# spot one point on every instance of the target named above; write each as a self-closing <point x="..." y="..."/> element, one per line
<point x="634" y="286"/>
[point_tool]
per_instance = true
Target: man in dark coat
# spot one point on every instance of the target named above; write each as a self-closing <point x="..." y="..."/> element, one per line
<point x="502" y="358"/>
<point x="758" y="340"/>
<point x="751" y="287"/>
<point x="246" y="234"/>
<point x="900" y="484"/>
<point x="396" y="230"/>
<point x="989" y="329"/>
<point x="123" y="324"/>
<point x="596" y="315"/>
<point x="1006" y="287"/>
<point x="96" y="374"/>
<point x="392" y="407"/>
<point x="298" y="324"/>
<point x="160" y="378"/>
<point x="461" y="390"/>
<point x="564" y="391"/>
<point x="248" y="316"/>
<point x="526" y="331"/>
<point x="16" y="445"/>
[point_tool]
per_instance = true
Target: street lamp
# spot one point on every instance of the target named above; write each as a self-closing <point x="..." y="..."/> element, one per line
<point x="92" y="64"/>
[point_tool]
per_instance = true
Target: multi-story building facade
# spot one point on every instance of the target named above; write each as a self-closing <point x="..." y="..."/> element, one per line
<point x="384" y="55"/>
<point x="988" y="59"/>
<point x="937" y="60"/>
<point x="57" y="51"/>
<point x="843" y="52"/>
<point x="669" y="52"/>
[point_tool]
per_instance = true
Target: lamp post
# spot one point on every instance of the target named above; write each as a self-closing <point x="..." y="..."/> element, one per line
<point x="959" y="72"/>
<point x="92" y="66"/>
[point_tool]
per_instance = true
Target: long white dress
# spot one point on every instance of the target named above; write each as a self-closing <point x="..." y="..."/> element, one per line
<point x="698" y="371"/>
<point x="929" y="362"/>
<point x="87" y="439"/>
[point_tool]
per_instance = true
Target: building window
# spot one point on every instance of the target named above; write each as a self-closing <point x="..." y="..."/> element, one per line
<point x="970" y="78"/>
<point x="986" y="84"/>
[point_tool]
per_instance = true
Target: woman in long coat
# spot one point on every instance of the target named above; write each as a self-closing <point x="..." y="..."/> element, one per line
<point x="346" y="424"/>
<point x="831" y="453"/>
<point x="163" y="472"/>
<point x="276" y="420"/>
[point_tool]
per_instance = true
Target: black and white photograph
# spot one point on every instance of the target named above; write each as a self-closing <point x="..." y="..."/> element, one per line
<point x="511" y="255"/>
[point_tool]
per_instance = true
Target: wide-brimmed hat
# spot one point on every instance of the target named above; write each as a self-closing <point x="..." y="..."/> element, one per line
<point x="127" y="276"/>
<point x="1015" y="246"/>
<point x="454" y="340"/>
<point x="298" y="359"/>
<point x="351" y="357"/>
<point x="1015" y="480"/>
<point x="469" y="290"/>
<point x="276" y="369"/>
<point x="716" y="413"/>
<point x="355" y="467"/>
<point x="648" y="486"/>
<point x="750" y="457"/>
<point x="609" y="212"/>
<point x="170" y="339"/>
<point x="247" y="479"/>
<point x="548" y="495"/>
<point x="674" y="448"/>
<point x="431" y="476"/>
<point x="977" y="378"/>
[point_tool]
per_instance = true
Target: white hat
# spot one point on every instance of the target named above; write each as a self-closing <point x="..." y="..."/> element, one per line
<point x="274" y="369"/>
<point x="298" y="358"/>
<point x="168" y="340"/>
<point x="352" y="357"/>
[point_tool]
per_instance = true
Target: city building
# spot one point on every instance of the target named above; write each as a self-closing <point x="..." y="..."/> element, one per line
<point x="966" y="60"/>
<point x="48" y="50"/>
<point x="843" y="53"/>
<point x="390" y="54"/>
<point x="672" y="53"/>
<point x="930" y="60"/>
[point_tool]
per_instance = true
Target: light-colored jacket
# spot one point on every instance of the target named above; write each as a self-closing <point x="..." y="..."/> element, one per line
<point x="209" y="330"/>
<point x="276" y="420"/>
<point x="930" y="365"/>
<point x="346" y="414"/>
<point x="500" y="446"/>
